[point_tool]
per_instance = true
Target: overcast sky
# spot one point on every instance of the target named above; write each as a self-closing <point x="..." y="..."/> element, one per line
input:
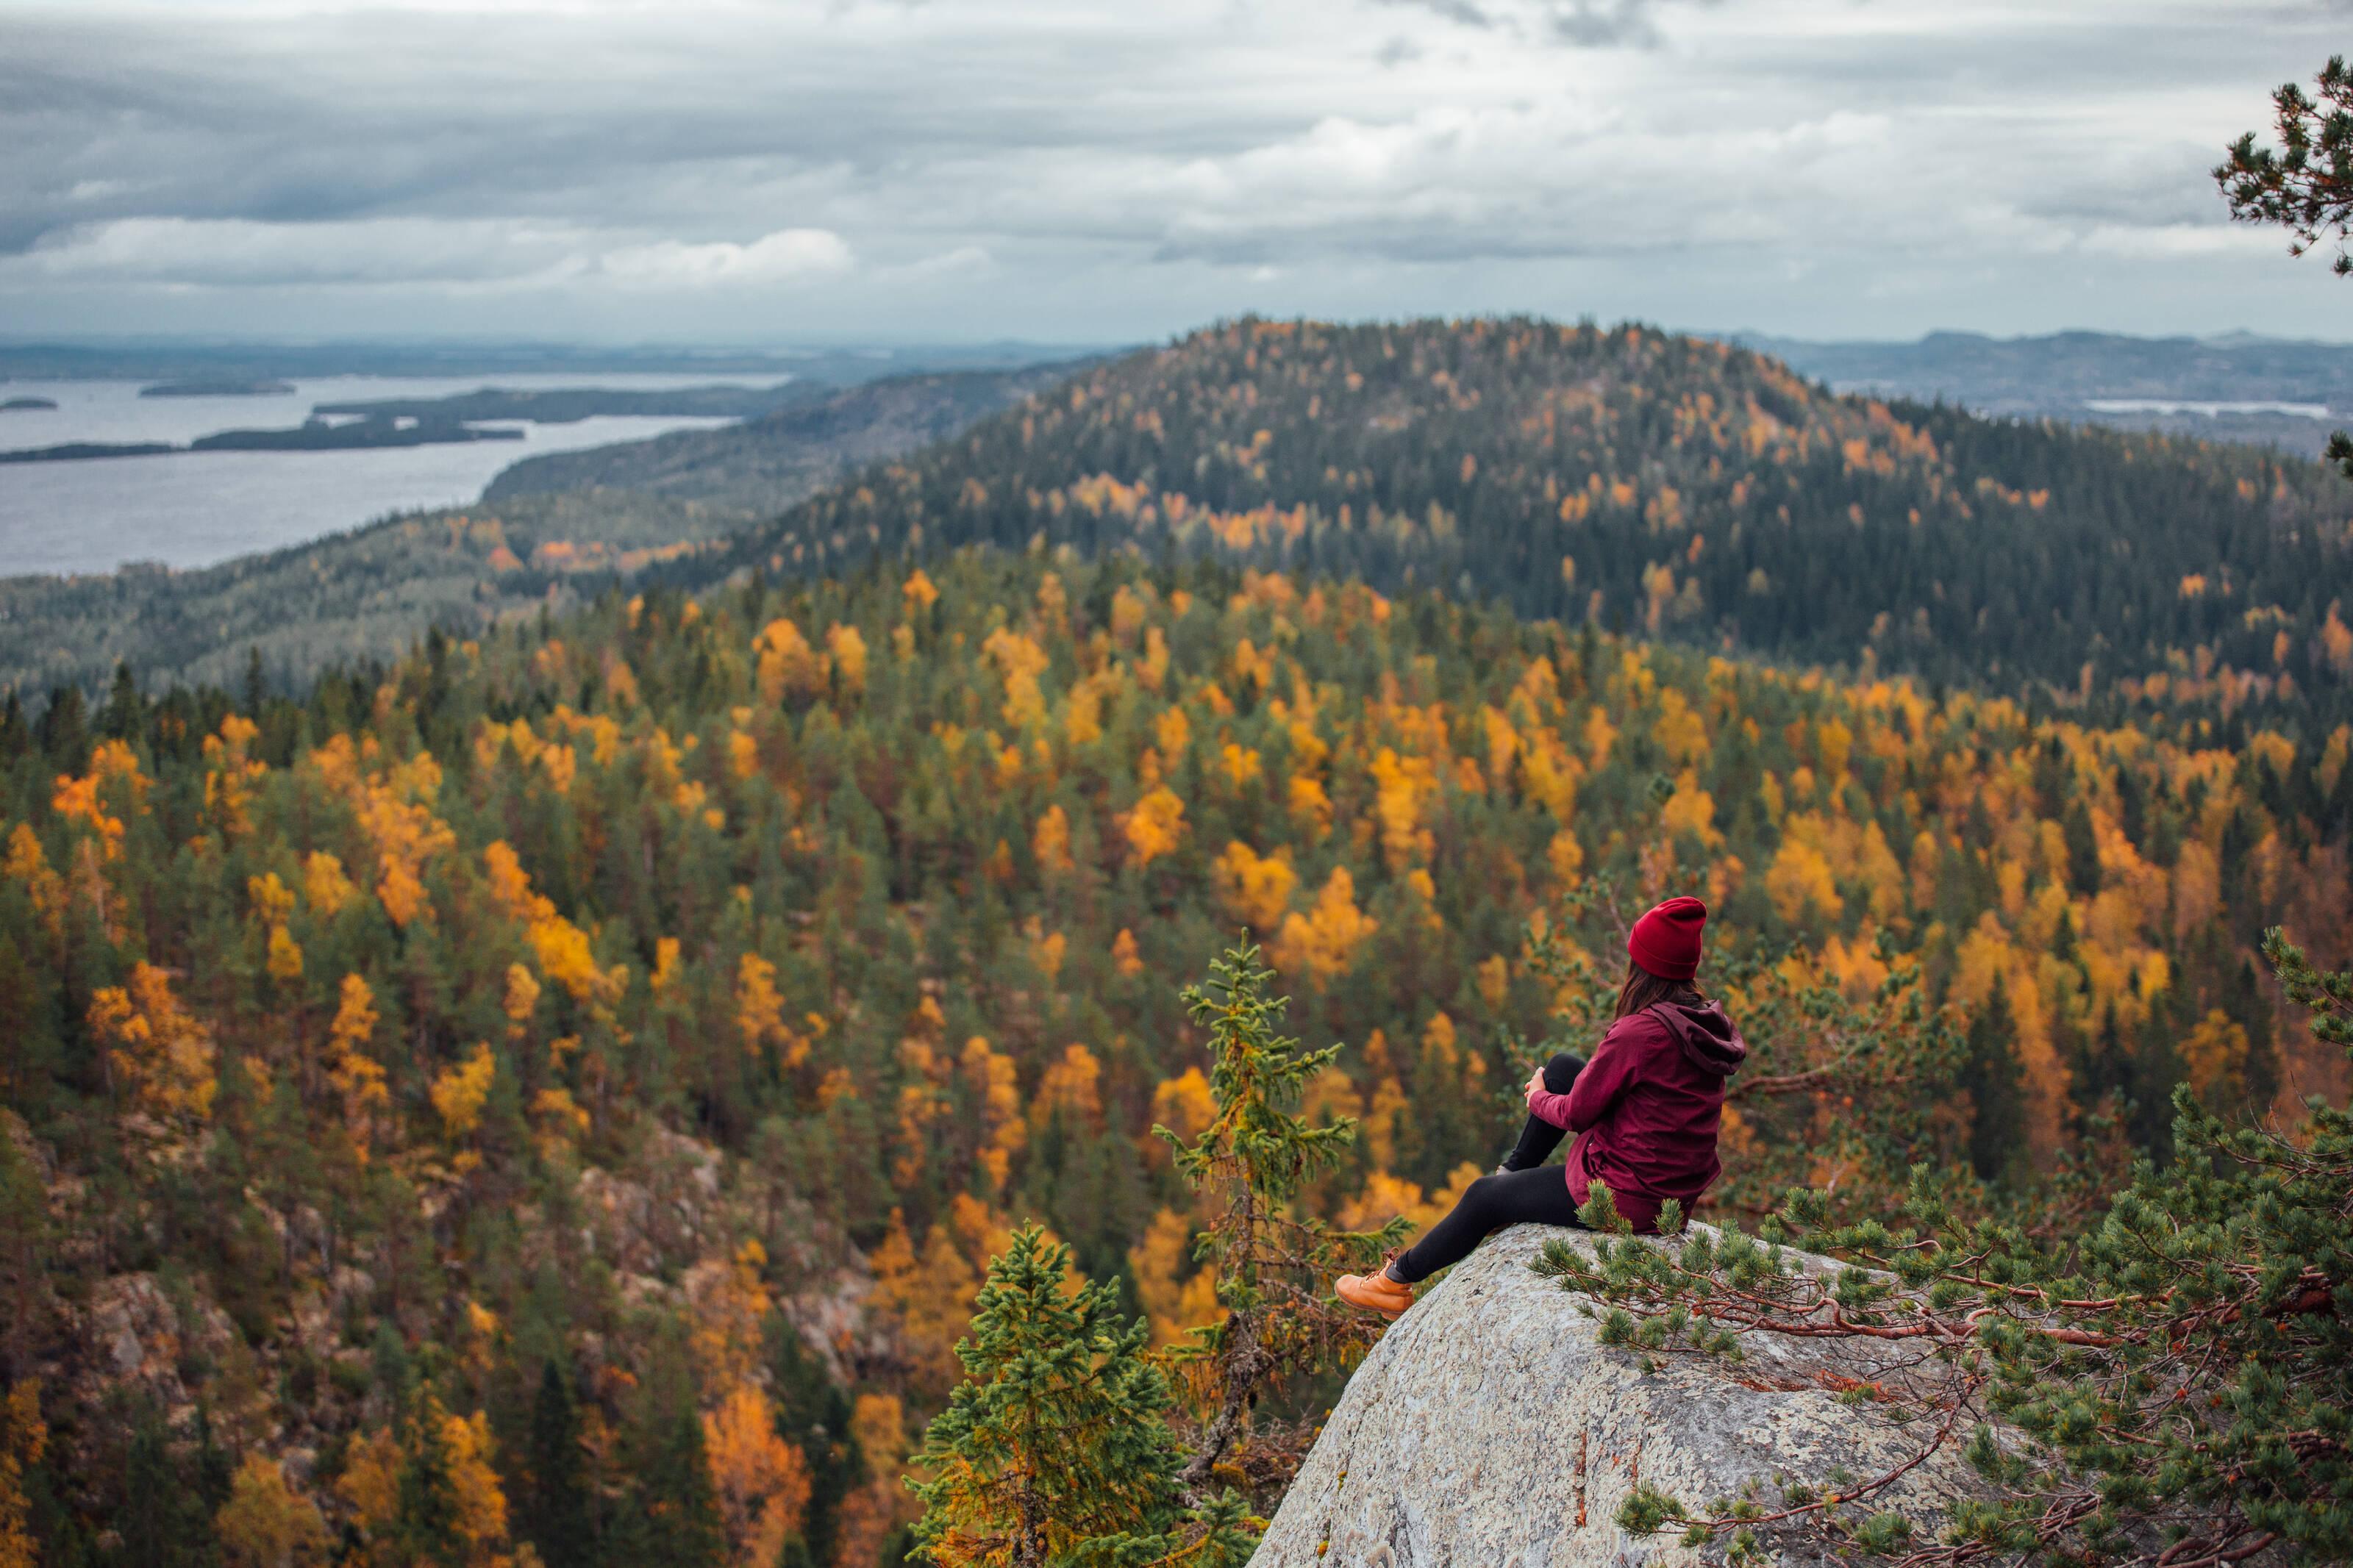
<point x="768" y="171"/>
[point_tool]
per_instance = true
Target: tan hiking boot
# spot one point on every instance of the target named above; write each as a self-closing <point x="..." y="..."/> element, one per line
<point x="1375" y="1293"/>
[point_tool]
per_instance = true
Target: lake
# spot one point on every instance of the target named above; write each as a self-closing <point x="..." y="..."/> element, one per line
<point x="195" y="508"/>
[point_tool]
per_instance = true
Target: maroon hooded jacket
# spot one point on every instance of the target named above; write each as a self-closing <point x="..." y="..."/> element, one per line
<point x="1646" y="1107"/>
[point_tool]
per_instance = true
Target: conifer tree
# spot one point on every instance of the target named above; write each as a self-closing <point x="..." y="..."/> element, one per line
<point x="816" y="1418"/>
<point x="669" y="1513"/>
<point x="2305" y="184"/>
<point x="1272" y="1268"/>
<point x="555" y="1517"/>
<point x="1056" y="1449"/>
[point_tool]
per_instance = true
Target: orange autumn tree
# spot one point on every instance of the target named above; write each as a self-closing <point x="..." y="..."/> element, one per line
<point x="762" y="1481"/>
<point x="160" y="1055"/>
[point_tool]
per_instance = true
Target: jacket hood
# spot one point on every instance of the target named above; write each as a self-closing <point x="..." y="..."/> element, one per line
<point x="1706" y="1033"/>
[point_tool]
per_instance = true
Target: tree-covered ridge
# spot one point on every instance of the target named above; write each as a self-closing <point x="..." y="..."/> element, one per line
<point x="1657" y="483"/>
<point x="583" y="998"/>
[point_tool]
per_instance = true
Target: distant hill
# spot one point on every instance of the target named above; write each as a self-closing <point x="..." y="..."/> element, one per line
<point x="1668" y="484"/>
<point x="2069" y="374"/>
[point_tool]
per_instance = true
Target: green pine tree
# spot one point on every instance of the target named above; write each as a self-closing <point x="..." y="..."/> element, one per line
<point x="554" y="1517"/>
<point x="1056" y="1449"/>
<point x="1273" y="1266"/>
<point x="669" y="1513"/>
<point x="161" y="1521"/>
<point x="2305" y="184"/>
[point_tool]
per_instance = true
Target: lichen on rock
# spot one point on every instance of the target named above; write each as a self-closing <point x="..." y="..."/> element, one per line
<point x="1490" y="1429"/>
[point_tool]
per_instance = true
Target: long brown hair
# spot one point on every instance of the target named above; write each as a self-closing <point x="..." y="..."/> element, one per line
<point x="1644" y="990"/>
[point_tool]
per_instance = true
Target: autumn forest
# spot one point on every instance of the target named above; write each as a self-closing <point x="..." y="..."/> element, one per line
<point x="554" y="1096"/>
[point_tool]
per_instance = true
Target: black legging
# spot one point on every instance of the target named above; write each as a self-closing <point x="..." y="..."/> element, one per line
<point x="1526" y="1192"/>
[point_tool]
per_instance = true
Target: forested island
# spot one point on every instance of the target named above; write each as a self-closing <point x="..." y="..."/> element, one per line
<point x="220" y="386"/>
<point x="27" y="404"/>
<point x="314" y="435"/>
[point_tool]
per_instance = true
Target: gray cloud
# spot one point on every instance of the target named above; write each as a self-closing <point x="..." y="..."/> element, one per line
<point x="1049" y="167"/>
<point x="1598" y="24"/>
<point x="1459" y="11"/>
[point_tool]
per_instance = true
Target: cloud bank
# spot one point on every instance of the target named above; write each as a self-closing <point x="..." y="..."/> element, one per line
<point x="768" y="169"/>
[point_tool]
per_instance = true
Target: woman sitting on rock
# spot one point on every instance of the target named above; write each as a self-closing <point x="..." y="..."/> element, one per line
<point x="1645" y="1111"/>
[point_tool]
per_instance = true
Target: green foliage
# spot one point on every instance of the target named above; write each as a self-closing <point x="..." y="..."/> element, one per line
<point x="554" y="1516"/>
<point x="2305" y="184"/>
<point x="668" y="1513"/>
<point x="1057" y="1450"/>
<point x="1271" y="1264"/>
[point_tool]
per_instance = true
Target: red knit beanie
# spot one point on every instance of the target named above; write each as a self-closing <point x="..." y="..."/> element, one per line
<point x="1665" y="942"/>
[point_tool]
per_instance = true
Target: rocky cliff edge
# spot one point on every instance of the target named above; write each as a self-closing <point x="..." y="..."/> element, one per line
<point x="1490" y="1428"/>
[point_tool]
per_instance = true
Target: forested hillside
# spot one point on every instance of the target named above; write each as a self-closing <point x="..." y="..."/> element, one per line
<point x="564" y="1093"/>
<point x="1662" y="484"/>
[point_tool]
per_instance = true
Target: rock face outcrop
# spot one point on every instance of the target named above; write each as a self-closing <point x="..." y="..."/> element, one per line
<point x="1491" y="1429"/>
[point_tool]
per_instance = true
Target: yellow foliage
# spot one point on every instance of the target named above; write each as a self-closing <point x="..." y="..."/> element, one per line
<point x="1403" y="790"/>
<point x="161" y="1055"/>
<point x="1173" y="1301"/>
<point x="1020" y="661"/>
<point x="29" y="866"/>
<point x="563" y="1122"/>
<point x="24" y="1438"/>
<point x="1692" y="810"/>
<point x="284" y="964"/>
<point x="370" y="1484"/>
<point x="520" y="1001"/>
<point x="1257" y="889"/>
<point x="760" y="1012"/>
<point x="1494" y="981"/>
<point x="1384" y="1197"/>
<point x="112" y="790"/>
<point x="1123" y="956"/>
<point x="1050" y="842"/>
<point x="1680" y="732"/>
<point x="1566" y="855"/>
<point x="996" y="1086"/>
<point x="1184" y="1104"/>
<point x="1070" y="1085"/>
<point x="762" y="1481"/>
<point x="1309" y="805"/>
<point x="266" y="1523"/>
<point x="461" y="1093"/>
<point x="2214" y="1054"/>
<point x="1321" y="944"/>
<point x="847" y="649"/>
<point x="482" y="1503"/>
<point x="272" y="900"/>
<point x="728" y="1306"/>
<point x="785" y="664"/>
<point x="1154" y="828"/>
<point x="324" y="886"/>
<point x="1800" y="880"/>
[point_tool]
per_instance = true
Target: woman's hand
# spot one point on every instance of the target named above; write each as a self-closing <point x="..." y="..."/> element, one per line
<point x="1535" y="1082"/>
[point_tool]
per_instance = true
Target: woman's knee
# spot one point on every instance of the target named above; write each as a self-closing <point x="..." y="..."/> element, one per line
<point x="1560" y="1073"/>
<point x="1482" y="1195"/>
